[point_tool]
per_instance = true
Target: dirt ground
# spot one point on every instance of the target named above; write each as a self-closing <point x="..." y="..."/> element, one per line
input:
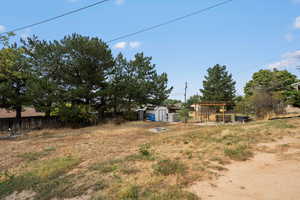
<point x="265" y="177"/>
<point x="258" y="160"/>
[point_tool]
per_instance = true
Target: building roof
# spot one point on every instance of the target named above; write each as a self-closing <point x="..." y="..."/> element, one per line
<point x="27" y="112"/>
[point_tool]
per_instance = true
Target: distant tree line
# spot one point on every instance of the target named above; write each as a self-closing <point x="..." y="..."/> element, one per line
<point x="269" y="91"/>
<point x="76" y="77"/>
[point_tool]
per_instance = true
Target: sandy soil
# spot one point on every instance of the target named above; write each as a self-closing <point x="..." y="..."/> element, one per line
<point x="266" y="177"/>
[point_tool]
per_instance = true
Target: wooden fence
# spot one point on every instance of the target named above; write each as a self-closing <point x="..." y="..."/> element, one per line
<point x="28" y="123"/>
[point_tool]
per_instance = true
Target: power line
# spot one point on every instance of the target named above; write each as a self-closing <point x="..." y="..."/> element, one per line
<point x="56" y="17"/>
<point x="170" y="21"/>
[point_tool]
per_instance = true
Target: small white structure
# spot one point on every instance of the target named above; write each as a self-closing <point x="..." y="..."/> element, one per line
<point x="157" y="114"/>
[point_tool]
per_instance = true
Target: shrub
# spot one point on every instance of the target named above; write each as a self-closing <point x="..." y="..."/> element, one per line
<point x="239" y="153"/>
<point x="168" y="167"/>
<point x="173" y="193"/>
<point x="130" y="116"/>
<point x="145" y="150"/>
<point x="76" y="116"/>
<point x="129" y="193"/>
<point x="106" y="167"/>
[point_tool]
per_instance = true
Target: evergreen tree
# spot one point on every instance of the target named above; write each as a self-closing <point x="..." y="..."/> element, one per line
<point x="15" y="74"/>
<point x="144" y="84"/>
<point x="218" y="85"/>
<point x="118" y="84"/>
<point x="44" y="58"/>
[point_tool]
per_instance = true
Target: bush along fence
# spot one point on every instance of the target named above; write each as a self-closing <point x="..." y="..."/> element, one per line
<point x="12" y="127"/>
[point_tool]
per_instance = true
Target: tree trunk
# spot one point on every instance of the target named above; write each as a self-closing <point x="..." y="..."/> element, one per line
<point x="115" y="106"/>
<point x="48" y="114"/>
<point x="19" y="116"/>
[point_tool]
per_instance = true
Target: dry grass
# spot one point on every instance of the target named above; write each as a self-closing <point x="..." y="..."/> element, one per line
<point x="128" y="161"/>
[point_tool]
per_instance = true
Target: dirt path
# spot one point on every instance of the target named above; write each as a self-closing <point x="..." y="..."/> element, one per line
<point x="266" y="177"/>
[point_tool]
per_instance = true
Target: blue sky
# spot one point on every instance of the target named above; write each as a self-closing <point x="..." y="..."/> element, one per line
<point x="245" y="35"/>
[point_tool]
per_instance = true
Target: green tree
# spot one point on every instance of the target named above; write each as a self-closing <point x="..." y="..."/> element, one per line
<point x="15" y="74"/>
<point x="193" y="100"/>
<point x="279" y="82"/>
<point x="144" y="84"/>
<point x="44" y="58"/>
<point x="72" y="74"/>
<point x="218" y="85"/>
<point x="172" y="102"/>
<point x="86" y="65"/>
<point x="118" y="84"/>
<point x="160" y="90"/>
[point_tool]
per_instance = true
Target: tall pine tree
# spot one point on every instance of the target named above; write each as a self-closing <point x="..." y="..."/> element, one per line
<point x="218" y="85"/>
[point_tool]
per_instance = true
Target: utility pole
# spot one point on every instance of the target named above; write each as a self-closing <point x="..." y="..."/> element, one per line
<point x="185" y="89"/>
<point x="185" y="101"/>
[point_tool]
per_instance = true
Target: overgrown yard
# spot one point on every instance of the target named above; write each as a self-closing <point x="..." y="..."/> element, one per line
<point x="129" y="162"/>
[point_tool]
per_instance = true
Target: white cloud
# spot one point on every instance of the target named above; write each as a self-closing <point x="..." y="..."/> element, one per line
<point x="120" y="2"/>
<point x="124" y="45"/>
<point x="135" y="44"/>
<point x="120" y="45"/>
<point x="289" y="37"/>
<point x="2" y="28"/>
<point x="297" y="23"/>
<point x="291" y="59"/>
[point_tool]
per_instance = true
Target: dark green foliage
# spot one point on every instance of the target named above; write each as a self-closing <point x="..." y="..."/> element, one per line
<point x="73" y="70"/>
<point x="172" y="102"/>
<point x="137" y="83"/>
<point x="78" y="75"/>
<point x="218" y="85"/>
<point x="169" y="167"/>
<point x="15" y="74"/>
<point x="76" y="115"/>
<point x="272" y="81"/>
<point x="77" y="79"/>
<point x="293" y="98"/>
<point x="269" y="91"/>
<point x="193" y="100"/>
<point x="184" y="114"/>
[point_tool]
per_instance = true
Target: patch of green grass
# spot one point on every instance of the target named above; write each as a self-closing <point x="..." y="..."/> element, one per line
<point x="135" y="192"/>
<point x="46" y="179"/>
<point x="168" y="167"/>
<point x="129" y="170"/>
<point x="100" y="185"/>
<point x="231" y="139"/>
<point x="139" y="157"/>
<point x="131" y="192"/>
<point x="55" y="167"/>
<point x="145" y="149"/>
<point x="32" y="156"/>
<point x="280" y="124"/>
<point x="174" y="193"/>
<point x="239" y="153"/>
<point x="107" y="167"/>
